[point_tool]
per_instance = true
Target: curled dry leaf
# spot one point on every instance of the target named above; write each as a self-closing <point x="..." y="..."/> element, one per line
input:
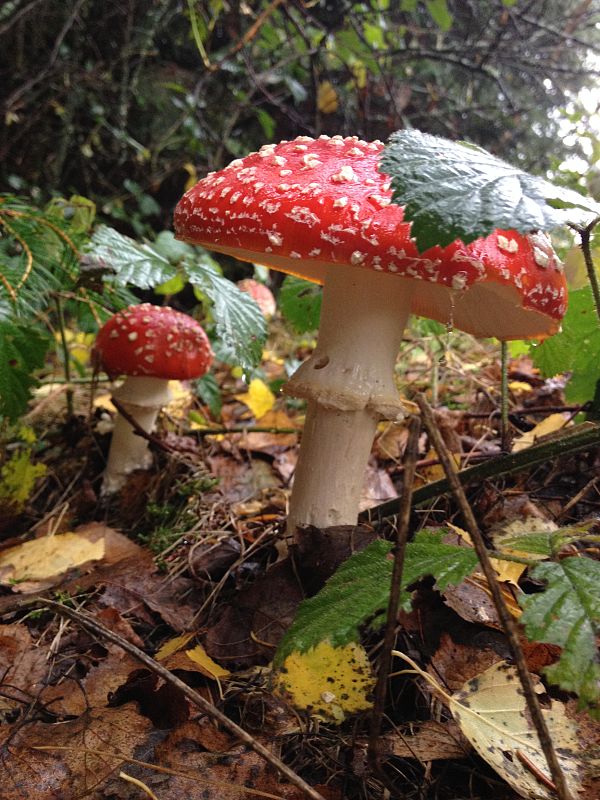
<point x="491" y="712"/>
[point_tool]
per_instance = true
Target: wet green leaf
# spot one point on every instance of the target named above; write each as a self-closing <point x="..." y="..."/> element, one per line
<point x="455" y="190"/>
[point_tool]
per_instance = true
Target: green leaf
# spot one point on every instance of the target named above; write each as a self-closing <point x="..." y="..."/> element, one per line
<point x="359" y="591"/>
<point x="454" y="190"/>
<point x="567" y="613"/>
<point x="240" y="324"/>
<point x="575" y="349"/>
<point x="300" y="303"/>
<point x="22" y="349"/>
<point x="438" y="10"/>
<point x="134" y="263"/>
<point x="208" y="390"/>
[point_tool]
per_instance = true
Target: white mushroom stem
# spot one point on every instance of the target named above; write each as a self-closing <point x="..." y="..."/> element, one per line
<point x="142" y="398"/>
<point x="349" y="383"/>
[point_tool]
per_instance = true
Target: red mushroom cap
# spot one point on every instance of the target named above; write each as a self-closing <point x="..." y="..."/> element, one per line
<point x="311" y="204"/>
<point x="261" y="294"/>
<point x="153" y="342"/>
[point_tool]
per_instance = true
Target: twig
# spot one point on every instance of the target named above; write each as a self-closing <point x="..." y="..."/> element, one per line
<point x="585" y="233"/>
<point x="504" y="429"/>
<point x="508" y="622"/>
<point x="385" y="660"/>
<point x="150" y="437"/>
<point x="583" y="437"/>
<point x="88" y="623"/>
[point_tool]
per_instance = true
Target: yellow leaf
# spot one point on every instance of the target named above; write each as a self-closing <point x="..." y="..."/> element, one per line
<point x="49" y="556"/>
<point x="207" y="666"/>
<point x="520" y="387"/>
<point x="553" y="423"/>
<point x="173" y="645"/>
<point x="327" y="681"/>
<point x="327" y="99"/>
<point x="259" y="398"/>
<point x="17" y="479"/>
<point x="193" y="175"/>
<point x="508" y="571"/>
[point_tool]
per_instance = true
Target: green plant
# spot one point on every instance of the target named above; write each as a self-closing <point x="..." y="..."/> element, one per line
<point x="52" y="265"/>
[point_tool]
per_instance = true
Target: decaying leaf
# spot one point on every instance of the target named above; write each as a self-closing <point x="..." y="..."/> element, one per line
<point x="552" y="424"/>
<point x="327" y="681"/>
<point x="17" y="480"/>
<point x="47" y="557"/>
<point x="196" y="659"/>
<point x="491" y="712"/>
<point x="42" y="562"/>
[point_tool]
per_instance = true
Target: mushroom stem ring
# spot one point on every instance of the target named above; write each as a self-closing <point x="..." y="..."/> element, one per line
<point x="349" y="385"/>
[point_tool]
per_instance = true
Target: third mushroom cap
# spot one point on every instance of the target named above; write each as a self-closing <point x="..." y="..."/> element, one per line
<point x="320" y="209"/>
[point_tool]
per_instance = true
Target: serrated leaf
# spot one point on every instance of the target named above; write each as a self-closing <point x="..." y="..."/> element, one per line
<point x="454" y="190"/>
<point x="17" y="479"/>
<point x="575" y="349"/>
<point x="135" y="263"/>
<point x="240" y="324"/>
<point x="300" y="303"/>
<point x="22" y="349"/>
<point x="567" y="613"/>
<point x="360" y="589"/>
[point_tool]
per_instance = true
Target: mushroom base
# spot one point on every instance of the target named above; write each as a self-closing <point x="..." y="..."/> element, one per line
<point x="327" y="491"/>
<point x="142" y="398"/>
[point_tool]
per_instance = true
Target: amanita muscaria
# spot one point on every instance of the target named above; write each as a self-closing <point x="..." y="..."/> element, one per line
<point x="150" y="345"/>
<point x="320" y="209"/>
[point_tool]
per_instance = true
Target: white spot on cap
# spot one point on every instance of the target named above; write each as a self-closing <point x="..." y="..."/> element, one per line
<point x="303" y="215"/>
<point x="280" y="161"/>
<point x="345" y="175"/>
<point x="316" y="251"/>
<point x="301" y="147"/>
<point x="285" y="172"/>
<point x="340" y="202"/>
<point x="506" y="244"/>
<point x="132" y="336"/>
<point x="355" y="151"/>
<point x="294" y="254"/>
<point x="540" y="257"/>
<point x="357" y="258"/>
<point x="310" y="161"/>
<point x="275" y="238"/>
<point x="459" y="281"/>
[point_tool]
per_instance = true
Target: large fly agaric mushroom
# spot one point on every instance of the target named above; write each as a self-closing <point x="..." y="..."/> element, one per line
<point x="320" y="209"/>
<point x="151" y="345"/>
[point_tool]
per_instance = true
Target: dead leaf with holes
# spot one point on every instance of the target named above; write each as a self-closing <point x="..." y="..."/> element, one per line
<point x="492" y="714"/>
<point x="328" y="682"/>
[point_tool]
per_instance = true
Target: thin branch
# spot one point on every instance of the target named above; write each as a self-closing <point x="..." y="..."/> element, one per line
<point x="583" y="437"/>
<point x="385" y="660"/>
<point x="85" y="621"/>
<point x="507" y="620"/>
<point x="585" y="234"/>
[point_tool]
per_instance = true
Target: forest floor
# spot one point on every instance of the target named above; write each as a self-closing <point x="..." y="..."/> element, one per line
<point x="190" y="564"/>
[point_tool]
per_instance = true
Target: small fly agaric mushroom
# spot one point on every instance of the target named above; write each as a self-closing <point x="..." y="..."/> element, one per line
<point x="261" y="294"/>
<point x="151" y="345"/>
<point x="320" y="209"/>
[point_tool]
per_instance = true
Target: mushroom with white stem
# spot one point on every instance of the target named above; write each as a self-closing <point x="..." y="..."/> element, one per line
<point x="320" y="209"/>
<point x="151" y="345"/>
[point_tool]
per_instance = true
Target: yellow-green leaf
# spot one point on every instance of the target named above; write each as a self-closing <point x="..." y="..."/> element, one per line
<point x="326" y="681"/>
